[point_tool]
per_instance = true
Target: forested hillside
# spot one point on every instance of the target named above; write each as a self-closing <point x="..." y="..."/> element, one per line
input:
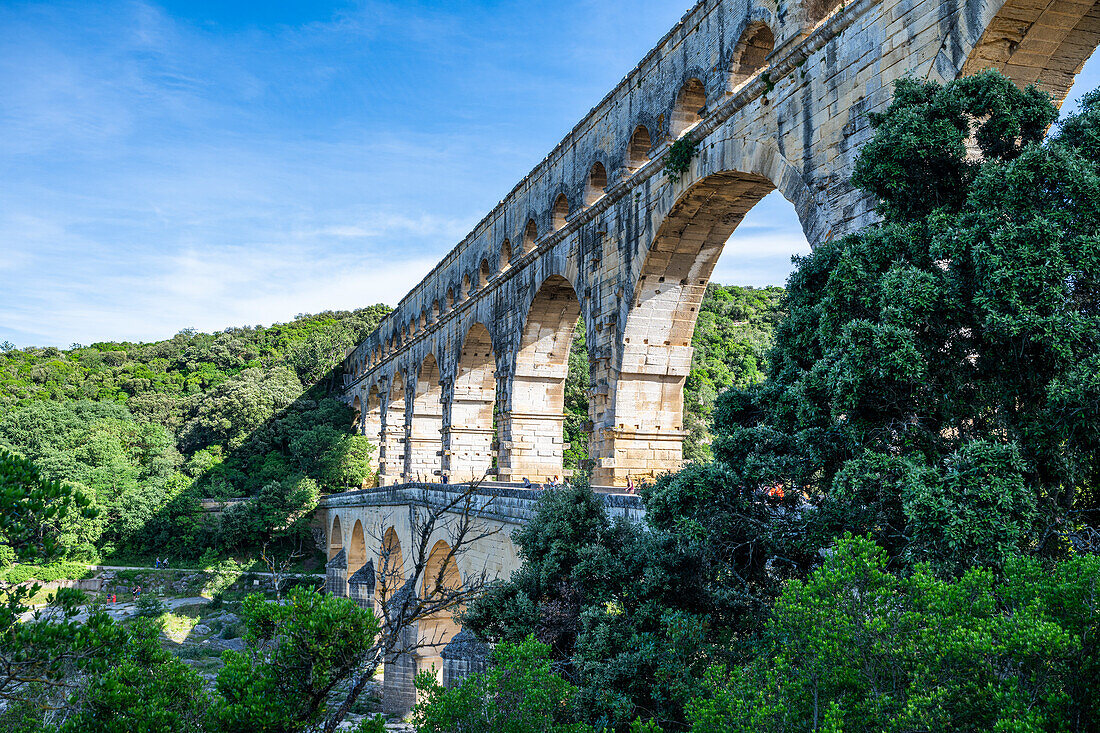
<point x="148" y="430"/>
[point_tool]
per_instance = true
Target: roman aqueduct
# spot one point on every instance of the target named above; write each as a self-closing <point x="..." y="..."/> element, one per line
<point x="466" y="376"/>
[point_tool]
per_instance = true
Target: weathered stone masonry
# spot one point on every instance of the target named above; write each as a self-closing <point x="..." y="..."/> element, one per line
<point x="776" y="98"/>
<point x="372" y="540"/>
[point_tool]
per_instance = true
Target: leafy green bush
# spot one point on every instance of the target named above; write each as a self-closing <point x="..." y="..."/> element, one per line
<point x="224" y="575"/>
<point x="150" y="605"/>
<point x="7" y="556"/>
<point x="519" y="693"/>
<point x="857" y="648"/>
<point x="64" y="570"/>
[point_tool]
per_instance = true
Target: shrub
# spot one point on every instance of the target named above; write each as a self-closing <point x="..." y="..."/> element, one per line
<point x="150" y="606"/>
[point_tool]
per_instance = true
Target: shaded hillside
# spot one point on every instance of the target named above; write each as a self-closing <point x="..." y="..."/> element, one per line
<point x="147" y="430"/>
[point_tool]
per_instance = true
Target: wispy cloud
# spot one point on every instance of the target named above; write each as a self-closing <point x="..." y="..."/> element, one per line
<point x="213" y="164"/>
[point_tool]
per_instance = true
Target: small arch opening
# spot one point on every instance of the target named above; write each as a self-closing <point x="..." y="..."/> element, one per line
<point x="640" y="145"/>
<point x="530" y="235"/>
<point x="560" y="212"/>
<point x="484" y="274"/>
<point x="751" y="54"/>
<point x="597" y="182"/>
<point x="690" y="103"/>
<point x="391" y="566"/>
<point x="467" y="287"/>
<point x="450" y="299"/>
<point x="505" y="255"/>
<point x="335" y="538"/>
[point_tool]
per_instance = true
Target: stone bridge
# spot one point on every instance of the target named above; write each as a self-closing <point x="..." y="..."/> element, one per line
<point x="466" y="376"/>
<point x="377" y="538"/>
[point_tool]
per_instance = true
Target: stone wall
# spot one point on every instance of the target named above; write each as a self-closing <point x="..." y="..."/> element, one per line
<point x="773" y="99"/>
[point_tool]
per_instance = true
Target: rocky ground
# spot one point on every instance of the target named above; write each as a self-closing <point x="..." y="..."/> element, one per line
<point x="196" y="627"/>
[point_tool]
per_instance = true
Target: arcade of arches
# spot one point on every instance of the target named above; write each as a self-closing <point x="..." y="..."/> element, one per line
<point x="466" y="377"/>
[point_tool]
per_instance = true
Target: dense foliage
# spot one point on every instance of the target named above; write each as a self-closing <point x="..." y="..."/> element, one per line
<point x="936" y="383"/>
<point x="520" y="693"/>
<point x="300" y="652"/>
<point x="146" y="431"/>
<point x="899" y="531"/>
<point x="854" y="647"/>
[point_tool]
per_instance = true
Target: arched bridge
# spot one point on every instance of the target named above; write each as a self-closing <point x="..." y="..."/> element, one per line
<point x="466" y="376"/>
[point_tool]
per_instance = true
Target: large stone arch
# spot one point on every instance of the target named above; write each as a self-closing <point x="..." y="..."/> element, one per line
<point x="691" y="223"/>
<point x="531" y="436"/>
<point x="392" y="460"/>
<point x="468" y="443"/>
<point x="1045" y="44"/>
<point x="372" y="423"/>
<point x="425" y="436"/>
<point x="441" y="577"/>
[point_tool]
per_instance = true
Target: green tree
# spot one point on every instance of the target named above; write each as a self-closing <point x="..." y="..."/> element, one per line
<point x="957" y="339"/>
<point x="857" y="648"/>
<point x="299" y="653"/>
<point x="520" y="693"/>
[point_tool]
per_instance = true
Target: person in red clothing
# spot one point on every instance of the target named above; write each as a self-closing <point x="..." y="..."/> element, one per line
<point x="630" y="485"/>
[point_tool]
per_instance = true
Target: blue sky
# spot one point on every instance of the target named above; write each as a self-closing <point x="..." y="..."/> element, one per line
<point x="211" y="164"/>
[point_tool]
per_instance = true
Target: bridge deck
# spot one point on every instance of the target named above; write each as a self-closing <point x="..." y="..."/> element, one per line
<point x="507" y="502"/>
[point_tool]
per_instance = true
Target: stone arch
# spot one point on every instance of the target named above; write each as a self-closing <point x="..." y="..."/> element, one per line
<point x="437" y="309"/>
<point x="425" y="441"/>
<point x="655" y="358"/>
<point x="505" y="256"/>
<point x="392" y="459"/>
<point x="751" y="53"/>
<point x="596" y="183"/>
<point x="560" y="213"/>
<point x="530" y="235"/>
<point x="357" y="405"/>
<point x="467" y="286"/>
<point x="531" y="442"/>
<point x="689" y="101"/>
<point x="391" y="565"/>
<point x="468" y="441"/>
<point x="484" y="274"/>
<point x="372" y="422"/>
<point x="335" y="538"/>
<point x="450" y="298"/>
<point x="1042" y="44"/>
<point x="441" y="577"/>
<point x="357" y="549"/>
<point x="637" y="152"/>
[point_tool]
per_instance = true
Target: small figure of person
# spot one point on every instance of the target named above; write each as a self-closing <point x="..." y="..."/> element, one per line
<point x="630" y="485"/>
<point x="158" y="563"/>
<point x="443" y="479"/>
<point x="137" y="591"/>
<point x="527" y="483"/>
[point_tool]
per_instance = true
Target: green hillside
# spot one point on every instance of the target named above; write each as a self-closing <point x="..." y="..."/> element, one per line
<point x="149" y="430"/>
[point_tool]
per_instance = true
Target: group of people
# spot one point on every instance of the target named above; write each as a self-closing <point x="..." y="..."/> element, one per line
<point x="551" y="483"/>
<point x="113" y="597"/>
<point x="162" y="564"/>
